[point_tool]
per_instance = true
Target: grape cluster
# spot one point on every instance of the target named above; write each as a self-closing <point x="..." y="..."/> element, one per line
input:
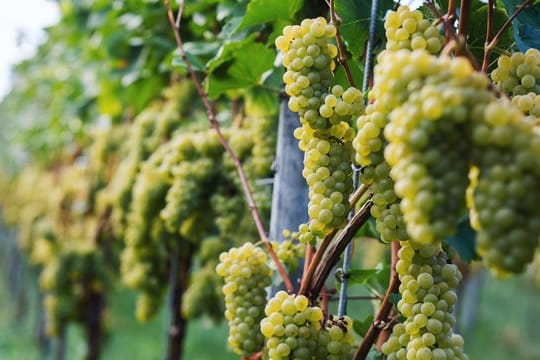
<point x="327" y="170"/>
<point x="428" y="295"/>
<point x="504" y="191"/>
<point x="325" y="113"/>
<point x="337" y="338"/>
<point x="429" y="101"/>
<point x="289" y="251"/>
<point x="519" y="73"/>
<point x="406" y="29"/>
<point x="291" y="327"/>
<point x="369" y="145"/>
<point x="246" y="276"/>
<point x="529" y="105"/>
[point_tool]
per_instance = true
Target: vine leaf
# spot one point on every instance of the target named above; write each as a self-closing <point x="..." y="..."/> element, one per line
<point x="477" y="30"/>
<point x="240" y="71"/>
<point x="464" y="241"/>
<point x="267" y="11"/>
<point x="526" y="26"/>
<point x="376" y="279"/>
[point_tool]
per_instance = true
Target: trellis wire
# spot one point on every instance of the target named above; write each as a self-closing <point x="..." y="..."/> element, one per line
<point x="368" y="68"/>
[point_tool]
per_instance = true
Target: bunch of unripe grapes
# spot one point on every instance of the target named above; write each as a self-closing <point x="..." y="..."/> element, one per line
<point x="518" y="74"/>
<point x="246" y="276"/>
<point x="430" y="100"/>
<point x="294" y="330"/>
<point x="325" y="113"/>
<point x="529" y="105"/>
<point x="506" y="152"/>
<point x="428" y="295"/>
<point x="406" y="29"/>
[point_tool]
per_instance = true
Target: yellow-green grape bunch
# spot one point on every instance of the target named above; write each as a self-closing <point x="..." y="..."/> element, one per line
<point x="246" y="275"/>
<point x="307" y="55"/>
<point x="428" y="291"/>
<point x="529" y="105"/>
<point x="327" y="170"/>
<point x="369" y="145"/>
<point x="291" y="327"/>
<point x="429" y="99"/>
<point x="406" y="29"/>
<point x="289" y="251"/>
<point x="518" y="74"/>
<point x="337" y="338"/>
<point x="507" y="155"/>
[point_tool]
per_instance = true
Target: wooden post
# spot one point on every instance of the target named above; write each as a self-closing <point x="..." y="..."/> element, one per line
<point x="290" y="192"/>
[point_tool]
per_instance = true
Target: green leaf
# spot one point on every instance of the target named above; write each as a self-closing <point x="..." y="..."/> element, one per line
<point x="241" y="71"/>
<point x="178" y="62"/>
<point x="477" y="30"/>
<point x="357" y="72"/>
<point x="261" y="102"/>
<point x="361" y="276"/>
<point x="264" y="11"/>
<point x="525" y="26"/>
<point x="361" y="326"/>
<point x="354" y="26"/>
<point x="394" y="298"/>
<point x="464" y="241"/>
<point x="369" y="229"/>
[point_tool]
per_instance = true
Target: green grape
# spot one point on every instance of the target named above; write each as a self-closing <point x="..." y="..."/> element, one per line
<point x="503" y="195"/>
<point x="203" y="296"/>
<point x="336" y="339"/>
<point x="246" y="275"/>
<point x="406" y="29"/>
<point x="291" y="327"/>
<point x="428" y="289"/>
<point x="529" y="105"/>
<point x="519" y="73"/>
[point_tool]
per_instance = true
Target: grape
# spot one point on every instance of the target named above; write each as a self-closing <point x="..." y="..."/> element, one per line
<point x="428" y="289"/>
<point x="519" y="73"/>
<point x="246" y="275"/>
<point x="406" y="29"/>
<point x="529" y="105"/>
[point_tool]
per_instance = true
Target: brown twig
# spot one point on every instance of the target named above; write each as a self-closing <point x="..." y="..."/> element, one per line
<point x="382" y="318"/>
<point x="342" y="58"/>
<point x="489" y="29"/>
<point x="464" y="19"/>
<point x="322" y="269"/>
<point x="357" y="297"/>
<point x="175" y="25"/>
<point x="353" y="199"/>
<point x="461" y="46"/>
<point x="450" y="16"/>
<point x="493" y="41"/>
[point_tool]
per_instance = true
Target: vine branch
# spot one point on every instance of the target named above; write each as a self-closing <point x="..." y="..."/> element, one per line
<point x="342" y="58"/>
<point x="381" y="319"/>
<point x="490" y="45"/>
<point x="175" y="25"/>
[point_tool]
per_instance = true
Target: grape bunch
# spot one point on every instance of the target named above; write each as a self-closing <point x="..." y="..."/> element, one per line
<point x="504" y="192"/>
<point x="518" y="74"/>
<point x="325" y="113"/>
<point x="327" y="170"/>
<point x="369" y="145"/>
<point x="246" y="275"/>
<point x="428" y="295"/>
<point x="429" y="101"/>
<point x="337" y="338"/>
<point x="529" y="105"/>
<point x="291" y="327"/>
<point x="406" y="29"/>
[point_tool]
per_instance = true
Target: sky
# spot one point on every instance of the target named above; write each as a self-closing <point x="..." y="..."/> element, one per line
<point x="21" y="31"/>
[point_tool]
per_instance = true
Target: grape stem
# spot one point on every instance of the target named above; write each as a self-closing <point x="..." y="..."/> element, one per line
<point x="316" y="259"/>
<point x="342" y="58"/>
<point x="382" y="317"/>
<point x="328" y="259"/>
<point x="491" y="43"/>
<point x="450" y="17"/>
<point x="464" y="19"/>
<point x="175" y="25"/>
